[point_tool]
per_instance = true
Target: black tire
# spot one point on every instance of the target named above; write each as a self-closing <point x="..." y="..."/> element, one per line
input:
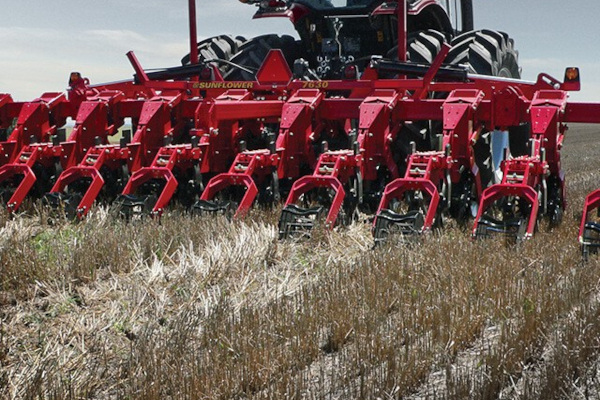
<point x="483" y="158"/>
<point x="221" y="47"/>
<point x="422" y="46"/>
<point x="253" y="52"/>
<point x="485" y="52"/>
<point x="519" y="139"/>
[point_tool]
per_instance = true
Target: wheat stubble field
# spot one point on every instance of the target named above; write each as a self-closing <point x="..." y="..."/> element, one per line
<point x="208" y="309"/>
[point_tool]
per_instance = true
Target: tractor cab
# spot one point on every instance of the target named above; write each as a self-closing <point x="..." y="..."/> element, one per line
<point x="336" y="33"/>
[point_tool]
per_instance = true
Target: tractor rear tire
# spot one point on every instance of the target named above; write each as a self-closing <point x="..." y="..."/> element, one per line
<point x="217" y="48"/>
<point x="422" y="46"/>
<point x="253" y="52"/>
<point x="486" y="52"/>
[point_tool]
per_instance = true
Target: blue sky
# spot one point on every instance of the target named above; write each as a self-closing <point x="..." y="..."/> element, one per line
<point x="42" y="41"/>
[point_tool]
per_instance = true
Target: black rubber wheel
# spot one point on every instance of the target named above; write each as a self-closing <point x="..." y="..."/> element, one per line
<point x="485" y="52"/>
<point x="422" y="46"/>
<point x="519" y="139"/>
<point x="483" y="158"/>
<point x="252" y="53"/>
<point x="585" y="253"/>
<point x="222" y="47"/>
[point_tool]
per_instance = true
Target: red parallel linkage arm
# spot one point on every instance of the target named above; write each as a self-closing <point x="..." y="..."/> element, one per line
<point x="297" y="131"/>
<point x="33" y="121"/>
<point x="162" y="167"/>
<point x="527" y="177"/>
<point x="333" y="168"/>
<point x="248" y="166"/>
<point x="154" y="125"/>
<point x="5" y="117"/>
<point x="428" y="171"/>
<point x="89" y="167"/>
<point x="375" y="135"/>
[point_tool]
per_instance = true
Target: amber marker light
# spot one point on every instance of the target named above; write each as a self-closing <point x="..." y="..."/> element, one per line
<point x="572" y="80"/>
<point x="572" y="74"/>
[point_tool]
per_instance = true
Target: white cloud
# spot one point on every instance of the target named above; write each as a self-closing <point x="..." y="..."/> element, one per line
<point x="116" y="36"/>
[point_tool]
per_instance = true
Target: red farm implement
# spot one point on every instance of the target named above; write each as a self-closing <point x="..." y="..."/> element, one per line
<point x="80" y="184"/>
<point x="105" y="167"/>
<point x="437" y="181"/>
<point x="402" y="114"/>
<point x="533" y="186"/>
<point x="589" y="230"/>
<point x="223" y="125"/>
<point x="34" y="143"/>
<point x="339" y="174"/>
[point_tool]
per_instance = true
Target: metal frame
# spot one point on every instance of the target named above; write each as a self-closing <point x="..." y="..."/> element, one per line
<point x="192" y="128"/>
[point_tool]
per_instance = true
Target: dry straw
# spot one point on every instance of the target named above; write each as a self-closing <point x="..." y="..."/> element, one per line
<point x="212" y="309"/>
